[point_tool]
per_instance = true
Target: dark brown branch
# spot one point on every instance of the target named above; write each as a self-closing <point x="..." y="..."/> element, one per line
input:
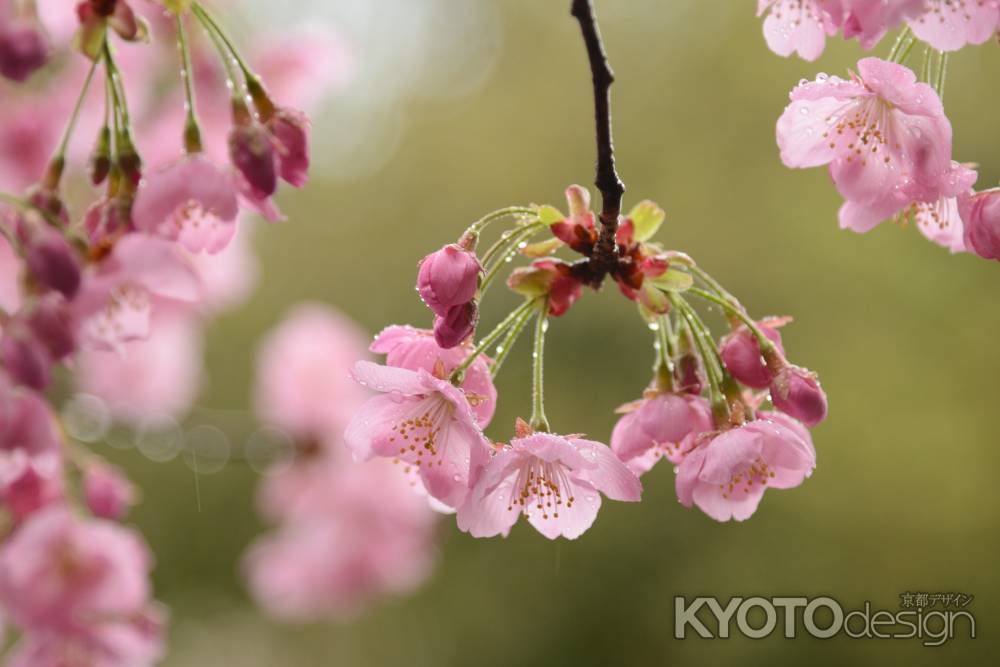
<point x="608" y="183"/>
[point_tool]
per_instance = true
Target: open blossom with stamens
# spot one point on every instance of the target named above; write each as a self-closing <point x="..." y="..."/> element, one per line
<point x="654" y="428"/>
<point x="192" y="201"/>
<point x="424" y="421"/>
<point x="800" y="26"/>
<point x="725" y="474"/>
<point x="883" y="133"/>
<point x="948" y="25"/>
<point x="408" y="347"/>
<point x="117" y="296"/>
<point x="555" y="481"/>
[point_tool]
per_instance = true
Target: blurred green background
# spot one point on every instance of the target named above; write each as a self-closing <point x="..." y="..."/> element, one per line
<point x="905" y="496"/>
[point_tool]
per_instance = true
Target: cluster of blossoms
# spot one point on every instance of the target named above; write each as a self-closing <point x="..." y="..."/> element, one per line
<point x="701" y="410"/>
<point x="348" y="533"/>
<point x="116" y="294"/>
<point x="883" y="131"/>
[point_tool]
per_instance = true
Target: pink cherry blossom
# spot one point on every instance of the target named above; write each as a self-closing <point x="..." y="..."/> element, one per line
<point x="424" y="421"/>
<point x="229" y="276"/>
<point x="118" y="295"/>
<point x="303" y="373"/>
<point x="353" y="532"/>
<point x="980" y="213"/>
<point x="30" y="455"/>
<point x="448" y="277"/>
<point x="158" y="376"/>
<point x="740" y="352"/>
<point x="799" y="26"/>
<point x="870" y="20"/>
<point x="192" y="201"/>
<point x="555" y="481"/>
<point x="655" y="427"/>
<point x="725" y="474"/>
<point x="948" y="25"/>
<point x="408" y="347"/>
<point x="10" y="271"/>
<point x="95" y="601"/>
<point x="884" y="135"/>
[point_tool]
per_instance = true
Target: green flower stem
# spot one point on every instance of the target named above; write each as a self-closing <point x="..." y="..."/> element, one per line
<point x="222" y="37"/>
<point x="479" y="225"/>
<point x="765" y="343"/>
<point x="925" y="65"/>
<point x="227" y="55"/>
<point x="664" y="352"/>
<point x="458" y="375"/>
<point x="942" y="73"/>
<point x="901" y="47"/>
<point x="509" y="247"/>
<point x="538" y="420"/>
<point x="192" y="133"/>
<point x="505" y="345"/>
<point x="720" y="407"/>
<point x="58" y="162"/>
<point x="23" y="205"/>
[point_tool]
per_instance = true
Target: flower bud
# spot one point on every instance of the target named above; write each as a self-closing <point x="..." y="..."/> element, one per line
<point x="689" y="377"/>
<point x="100" y="159"/>
<point x="25" y="361"/>
<point x="456" y="325"/>
<point x="24" y="48"/>
<point x="52" y="325"/>
<point x="107" y="492"/>
<point x="251" y="150"/>
<point x="290" y="130"/>
<point x="447" y="278"/>
<point x="981" y="216"/>
<point x="740" y="351"/>
<point x="796" y="392"/>
<point x="53" y="262"/>
<point x="550" y="278"/>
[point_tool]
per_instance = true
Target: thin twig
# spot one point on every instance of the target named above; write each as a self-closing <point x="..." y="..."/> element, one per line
<point x="607" y="181"/>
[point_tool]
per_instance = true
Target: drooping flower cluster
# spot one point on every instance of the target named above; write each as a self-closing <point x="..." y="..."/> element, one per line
<point x="802" y="26"/>
<point x="883" y="132"/>
<point x="347" y="533"/>
<point x="115" y="291"/>
<point x="436" y="396"/>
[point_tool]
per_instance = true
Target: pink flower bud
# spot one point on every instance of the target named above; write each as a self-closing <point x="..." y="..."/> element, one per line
<point x="290" y="129"/>
<point x="52" y="324"/>
<point x="53" y="262"/>
<point x="456" y="325"/>
<point x="251" y="150"/>
<point x="108" y="493"/>
<point x="689" y="376"/>
<point x="25" y="361"/>
<point x="24" y="48"/>
<point x="447" y="278"/>
<point x="981" y="217"/>
<point x="741" y="353"/>
<point x="796" y="392"/>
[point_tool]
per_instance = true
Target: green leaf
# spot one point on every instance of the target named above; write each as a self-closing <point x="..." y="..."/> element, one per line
<point x="674" y="281"/>
<point x="550" y="215"/>
<point x="647" y="217"/>
<point x="542" y="248"/>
